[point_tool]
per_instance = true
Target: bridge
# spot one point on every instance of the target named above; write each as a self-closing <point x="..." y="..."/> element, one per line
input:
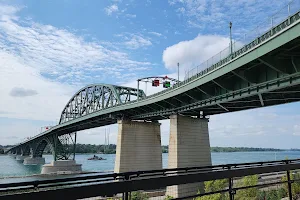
<point x="261" y="73"/>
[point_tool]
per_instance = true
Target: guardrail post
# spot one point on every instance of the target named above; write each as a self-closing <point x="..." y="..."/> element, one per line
<point x="231" y="192"/>
<point x="126" y="194"/>
<point x="289" y="184"/>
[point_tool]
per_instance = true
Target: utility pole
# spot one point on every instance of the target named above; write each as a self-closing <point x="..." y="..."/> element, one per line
<point x="105" y="141"/>
<point x="178" y="71"/>
<point x="230" y="26"/>
<point x="108" y="136"/>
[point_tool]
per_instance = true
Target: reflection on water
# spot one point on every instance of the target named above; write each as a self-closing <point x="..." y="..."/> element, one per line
<point x="11" y="167"/>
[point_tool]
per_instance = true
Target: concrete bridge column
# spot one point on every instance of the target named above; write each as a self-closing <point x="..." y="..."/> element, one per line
<point x="21" y="157"/>
<point x="138" y="146"/>
<point x="61" y="166"/>
<point x="188" y="147"/>
<point x="34" y="161"/>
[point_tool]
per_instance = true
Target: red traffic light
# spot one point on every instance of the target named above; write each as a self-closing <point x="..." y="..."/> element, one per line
<point x="155" y="83"/>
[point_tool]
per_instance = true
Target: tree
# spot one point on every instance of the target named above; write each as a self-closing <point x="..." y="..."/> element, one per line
<point x="1" y="151"/>
<point x="213" y="186"/>
<point x="249" y="193"/>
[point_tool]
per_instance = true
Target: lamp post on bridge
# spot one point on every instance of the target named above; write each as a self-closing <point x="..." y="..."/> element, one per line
<point x="230" y="26"/>
<point x="178" y="71"/>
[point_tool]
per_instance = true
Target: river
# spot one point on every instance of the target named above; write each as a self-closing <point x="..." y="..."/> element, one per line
<point x="10" y="167"/>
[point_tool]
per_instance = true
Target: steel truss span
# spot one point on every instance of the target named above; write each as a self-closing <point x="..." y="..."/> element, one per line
<point x="98" y="97"/>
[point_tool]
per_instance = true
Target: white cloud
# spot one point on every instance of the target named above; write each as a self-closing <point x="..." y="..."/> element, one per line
<point x="137" y="41"/>
<point x="296" y="130"/>
<point x="22" y="92"/>
<point x="111" y="9"/>
<point x="130" y="15"/>
<point x="193" y="52"/>
<point x="50" y="61"/>
<point x="215" y="15"/>
<point x="155" y="33"/>
<point x="12" y="133"/>
<point x="45" y="105"/>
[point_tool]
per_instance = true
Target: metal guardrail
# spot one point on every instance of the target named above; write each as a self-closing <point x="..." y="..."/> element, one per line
<point x="123" y="183"/>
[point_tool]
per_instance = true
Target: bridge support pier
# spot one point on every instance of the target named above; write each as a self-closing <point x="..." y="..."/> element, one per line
<point x="34" y="161"/>
<point x="61" y="166"/>
<point x="138" y="146"/>
<point x="188" y="147"/>
<point x="20" y="157"/>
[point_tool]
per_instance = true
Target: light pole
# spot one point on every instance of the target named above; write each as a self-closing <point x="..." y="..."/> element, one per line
<point x="138" y="89"/>
<point x="178" y="71"/>
<point x="230" y="26"/>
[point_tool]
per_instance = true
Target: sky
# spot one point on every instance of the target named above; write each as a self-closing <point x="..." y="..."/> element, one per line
<point x="51" y="49"/>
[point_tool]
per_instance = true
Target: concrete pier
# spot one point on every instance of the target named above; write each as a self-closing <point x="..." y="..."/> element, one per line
<point x="138" y="146"/>
<point x="188" y="147"/>
<point x="20" y="157"/>
<point x="61" y="166"/>
<point x="34" y="161"/>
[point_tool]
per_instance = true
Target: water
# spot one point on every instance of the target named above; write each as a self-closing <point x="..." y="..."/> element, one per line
<point x="10" y="167"/>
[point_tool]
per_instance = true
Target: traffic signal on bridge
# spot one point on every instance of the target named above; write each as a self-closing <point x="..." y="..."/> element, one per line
<point x="155" y="83"/>
<point x="166" y="84"/>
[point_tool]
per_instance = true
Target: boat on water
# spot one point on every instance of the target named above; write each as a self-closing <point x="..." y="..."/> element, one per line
<point x="96" y="158"/>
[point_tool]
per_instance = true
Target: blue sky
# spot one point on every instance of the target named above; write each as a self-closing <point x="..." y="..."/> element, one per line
<point x="50" y="49"/>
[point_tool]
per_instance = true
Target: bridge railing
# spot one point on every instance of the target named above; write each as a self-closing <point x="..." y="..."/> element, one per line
<point x="259" y="34"/>
<point x="158" y="183"/>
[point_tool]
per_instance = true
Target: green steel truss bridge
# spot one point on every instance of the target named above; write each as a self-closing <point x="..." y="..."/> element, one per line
<point x="263" y="72"/>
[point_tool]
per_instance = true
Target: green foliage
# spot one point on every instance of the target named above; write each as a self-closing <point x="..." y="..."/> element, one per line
<point x="274" y="194"/>
<point x="168" y="197"/>
<point x="90" y="148"/>
<point x="281" y="192"/>
<point x="249" y="193"/>
<point x="138" y="196"/>
<point x="165" y="149"/>
<point x="295" y="186"/>
<point x="212" y="186"/>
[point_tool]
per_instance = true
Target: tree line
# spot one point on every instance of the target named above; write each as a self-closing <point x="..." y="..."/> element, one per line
<point x="111" y="149"/>
<point x="241" y="149"/>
